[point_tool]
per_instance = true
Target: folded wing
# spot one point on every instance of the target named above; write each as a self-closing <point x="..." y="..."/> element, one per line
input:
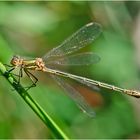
<point x="75" y="95"/>
<point x="78" y="40"/>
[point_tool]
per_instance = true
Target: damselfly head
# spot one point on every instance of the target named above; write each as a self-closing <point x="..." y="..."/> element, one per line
<point x="16" y="60"/>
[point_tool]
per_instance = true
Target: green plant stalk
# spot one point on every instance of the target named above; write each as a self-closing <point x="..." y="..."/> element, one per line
<point x="56" y="131"/>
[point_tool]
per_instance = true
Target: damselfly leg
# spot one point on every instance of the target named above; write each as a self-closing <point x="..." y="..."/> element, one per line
<point x="33" y="79"/>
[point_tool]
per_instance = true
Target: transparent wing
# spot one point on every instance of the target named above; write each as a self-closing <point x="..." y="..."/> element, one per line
<point x="78" y="59"/>
<point x="78" y="40"/>
<point x="75" y="95"/>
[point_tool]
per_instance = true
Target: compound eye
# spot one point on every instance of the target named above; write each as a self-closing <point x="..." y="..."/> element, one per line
<point x="15" y="61"/>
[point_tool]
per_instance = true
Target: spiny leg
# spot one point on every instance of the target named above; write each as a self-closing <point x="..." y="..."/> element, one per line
<point x="20" y="75"/>
<point x="32" y="78"/>
<point x="10" y="70"/>
<point x="6" y="65"/>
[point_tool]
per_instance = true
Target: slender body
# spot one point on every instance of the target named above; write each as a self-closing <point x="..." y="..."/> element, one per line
<point x="61" y="55"/>
<point x="94" y="82"/>
<point x="39" y="65"/>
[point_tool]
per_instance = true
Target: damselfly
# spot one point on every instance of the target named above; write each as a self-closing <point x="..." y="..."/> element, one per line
<point x="61" y="56"/>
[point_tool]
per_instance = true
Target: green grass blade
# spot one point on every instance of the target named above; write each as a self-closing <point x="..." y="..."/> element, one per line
<point x="48" y="121"/>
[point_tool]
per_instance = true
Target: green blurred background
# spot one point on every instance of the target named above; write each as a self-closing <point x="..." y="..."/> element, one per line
<point x="33" y="28"/>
